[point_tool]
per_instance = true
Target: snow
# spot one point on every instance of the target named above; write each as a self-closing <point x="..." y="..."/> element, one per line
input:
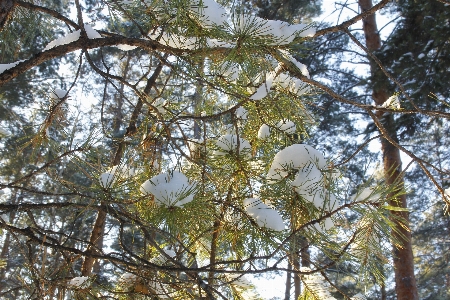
<point x="318" y="284"/>
<point x="315" y="196"/>
<point x="392" y="102"/>
<point x="286" y="126"/>
<point x="160" y="104"/>
<point x="72" y="37"/>
<point x="229" y="143"/>
<point x="307" y="177"/>
<point x="4" y="67"/>
<point x="366" y="194"/>
<point x="174" y="40"/>
<point x="263" y="214"/>
<point x="91" y="32"/>
<point x="127" y="279"/>
<point x="214" y="43"/>
<point x="209" y="13"/>
<point x="298" y="64"/>
<point x="79" y="282"/>
<point x="264" y="88"/>
<point x="58" y="94"/>
<point x="3" y="132"/>
<point x="296" y="156"/>
<point x="125" y="47"/>
<point x="358" y="296"/>
<point x="109" y="178"/>
<point x="161" y="259"/>
<point x="241" y="113"/>
<point x="421" y="55"/>
<point x="264" y="132"/>
<point x="169" y="189"/>
<point x="230" y="70"/>
<point x="280" y="32"/>
<point x="325" y="225"/>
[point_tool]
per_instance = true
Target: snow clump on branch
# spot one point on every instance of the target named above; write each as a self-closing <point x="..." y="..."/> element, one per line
<point x="263" y="214"/>
<point x="109" y="178"/>
<point x="72" y="37"/>
<point x="229" y="143"/>
<point x="169" y="189"/>
<point x="79" y="282"/>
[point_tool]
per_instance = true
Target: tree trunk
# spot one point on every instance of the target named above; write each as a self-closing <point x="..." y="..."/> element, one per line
<point x="405" y="282"/>
<point x="287" y="292"/>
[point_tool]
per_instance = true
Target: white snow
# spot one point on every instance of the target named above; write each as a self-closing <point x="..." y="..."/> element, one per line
<point x="229" y="142"/>
<point x="209" y="13"/>
<point x="358" y="296"/>
<point x="125" y="47"/>
<point x="264" y="88"/>
<point x="127" y="279"/>
<point x="295" y="157"/>
<point x="298" y="64"/>
<point x="241" y="113"/>
<point x="79" y="282"/>
<point x="109" y="178"/>
<point x="264" y="132"/>
<point x="421" y="55"/>
<point x="366" y="194"/>
<point x="72" y="37"/>
<point x="174" y="40"/>
<point x="230" y="70"/>
<point x="287" y="126"/>
<point x="57" y="94"/>
<point x="214" y="43"/>
<point x="169" y="189"/>
<point x="91" y="32"/>
<point x="160" y="104"/>
<point x="161" y="259"/>
<point x="263" y="214"/>
<point x="318" y="284"/>
<point x="280" y="32"/>
<point x="392" y="102"/>
<point x="307" y="177"/>
<point x="4" y="67"/>
<point x="3" y="132"/>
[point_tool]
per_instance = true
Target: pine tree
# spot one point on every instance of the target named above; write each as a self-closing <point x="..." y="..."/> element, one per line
<point x="182" y="217"/>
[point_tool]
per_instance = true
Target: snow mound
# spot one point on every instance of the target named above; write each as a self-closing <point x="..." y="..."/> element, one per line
<point x="229" y="143"/>
<point x="109" y="178"/>
<point x="263" y="214"/>
<point x="169" y="189"/>
<point x="295" y="157"/>
<point x="263" y="132"/>
<point x="287" y="126"/>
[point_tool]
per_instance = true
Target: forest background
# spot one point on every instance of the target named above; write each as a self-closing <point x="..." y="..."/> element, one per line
<point x="183" y="148"/>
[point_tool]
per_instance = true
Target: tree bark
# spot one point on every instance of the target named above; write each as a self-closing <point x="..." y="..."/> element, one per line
<point x="6" y="9"/>
<point x="405" y="282"/>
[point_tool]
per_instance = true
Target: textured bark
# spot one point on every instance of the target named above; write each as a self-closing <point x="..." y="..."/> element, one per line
<point x="405" y="282"/>
<point x="6" y="9"/>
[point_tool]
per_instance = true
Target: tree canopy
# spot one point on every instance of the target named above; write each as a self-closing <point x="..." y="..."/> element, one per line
<point x="177" y="149"/>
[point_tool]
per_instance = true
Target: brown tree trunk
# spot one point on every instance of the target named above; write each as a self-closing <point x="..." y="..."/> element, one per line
<point x="405" y="282"/>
